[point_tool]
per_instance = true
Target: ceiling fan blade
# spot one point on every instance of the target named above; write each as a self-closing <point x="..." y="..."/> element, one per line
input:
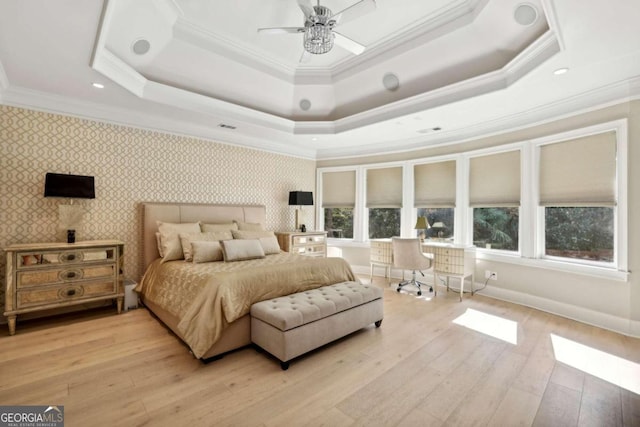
<point x="307" y="8"/>
<point x="354" y="11"/>
<point x="281" y="30"/>
<point x="348" y="44"/>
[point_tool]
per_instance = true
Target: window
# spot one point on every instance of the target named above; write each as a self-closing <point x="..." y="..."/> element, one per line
<point x="494" y="195"/>
<point x="384" y="200"/>
<point x="338" y="202"/>
<point x="580" y="233"/>
<point x="440" y="220"/>
<point x="435" y="197"/>
<point x="578" y="193"/>
<point x="496" y="228"/>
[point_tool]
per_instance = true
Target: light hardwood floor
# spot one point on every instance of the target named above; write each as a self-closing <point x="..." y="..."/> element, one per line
<point x="419" y="369"/>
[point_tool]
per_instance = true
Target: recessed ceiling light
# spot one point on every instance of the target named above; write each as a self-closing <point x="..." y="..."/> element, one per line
<point x="97" y="85"/>
<point x="305" y="104"/>
<point x="560" y="71"/>
<point x="315" y="138"/>
<point x="525" y="14"/>
<point x="141" y="46"/>
<point x="390" y="82"/>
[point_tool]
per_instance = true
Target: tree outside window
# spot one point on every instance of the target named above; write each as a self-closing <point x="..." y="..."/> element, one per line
<point x="338" y="222"/>
<point x="384" y="222"/>
<point x="496" y="228"/>
<point x="580" y="233"/>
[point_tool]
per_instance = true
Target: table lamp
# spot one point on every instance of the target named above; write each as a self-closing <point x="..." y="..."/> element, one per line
<point x="421" y="224"/>
<point x="300" y="198"/>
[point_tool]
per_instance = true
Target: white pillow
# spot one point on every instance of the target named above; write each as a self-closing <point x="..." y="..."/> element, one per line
<point x="249" y="226"/>
<point x="239" y="250"/>
<point x="170" y="245"/>
<point x="251" y="234"/>
<point x="206" y="251"/>
<point x="186" y="239"/>
<point x="270" y="245"/>
<point x="219" y="227"/>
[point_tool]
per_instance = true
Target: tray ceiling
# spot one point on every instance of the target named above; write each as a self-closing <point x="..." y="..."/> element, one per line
<point x="432" y="72"/>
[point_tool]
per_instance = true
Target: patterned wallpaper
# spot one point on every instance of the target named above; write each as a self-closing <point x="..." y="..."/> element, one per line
<point x="130" y="166"/>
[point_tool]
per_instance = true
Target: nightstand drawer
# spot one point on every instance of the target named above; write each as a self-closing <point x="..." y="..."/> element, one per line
<point x="317" y="250"/>
<point x="44" y="259"/>
<point x="38" y="277"/>
<point x="61" y="294"/>
<point x="308" y="240"/>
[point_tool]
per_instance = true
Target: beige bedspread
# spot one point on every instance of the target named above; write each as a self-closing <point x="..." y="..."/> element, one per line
<point x="207" y="297"/>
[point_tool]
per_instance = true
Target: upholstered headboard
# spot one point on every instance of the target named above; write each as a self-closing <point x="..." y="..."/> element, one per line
<point x="190" y="212"/>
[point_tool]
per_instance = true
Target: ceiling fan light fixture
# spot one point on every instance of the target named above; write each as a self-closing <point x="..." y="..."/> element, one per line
<point x="318" y="34"/>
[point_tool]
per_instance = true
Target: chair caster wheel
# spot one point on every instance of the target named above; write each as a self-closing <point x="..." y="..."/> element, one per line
<point x="430" y="289"/>
<point x="419" y="293"/>
<point x="397" y="289"/>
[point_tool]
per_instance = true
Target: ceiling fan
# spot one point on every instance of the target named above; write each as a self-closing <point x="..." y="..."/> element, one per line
<point x="318" y="29"/>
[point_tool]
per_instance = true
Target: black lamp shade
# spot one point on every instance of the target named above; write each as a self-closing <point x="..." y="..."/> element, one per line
<point x="69" y="186"/>
<point x="300" y="198"/>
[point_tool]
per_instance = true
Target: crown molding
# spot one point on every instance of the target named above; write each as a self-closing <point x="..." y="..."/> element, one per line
<point x="543" y="48"/>
<point x="549" y="9"/>
<point x="108" y="64"/>
<point x="606" y="96"/>
<point x="50" y="103"/>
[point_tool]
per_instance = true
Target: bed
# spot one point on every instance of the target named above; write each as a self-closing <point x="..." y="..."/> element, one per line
<point x="207" y="304"/>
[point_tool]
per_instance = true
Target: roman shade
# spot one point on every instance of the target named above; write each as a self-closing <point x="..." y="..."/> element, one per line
<point x="494" y="180"/>
<point x="579" y="172"/>
<point x="384" y="188"/>
<point x="435" y="185"/>
<point x="339" y="189"/>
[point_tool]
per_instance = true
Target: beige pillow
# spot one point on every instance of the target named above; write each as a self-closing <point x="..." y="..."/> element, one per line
<point x="159" y="243"/>
<point x="186" y="239"/>
<point x="170" y="238"/>
<point x="228" y="226"/>
<point x="239" y="250"/>
<point x="270" y="245"/>
<point x="251" y="234"/>
<point x="249" y="226"/>
<point x="206" y="251"/>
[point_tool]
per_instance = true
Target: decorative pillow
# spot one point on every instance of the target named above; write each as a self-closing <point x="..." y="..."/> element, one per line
<point x="186" y="239"/>
<point x="206" y="251"/>
<point x="228" y="226"/>
<point x="270" y="245"/>
<point x="170" y="240"/>
<point x="251" y="234"/>
<point x="249" y="226"/>
<point x="159" y="243"/>
<point x="239" y="250"/>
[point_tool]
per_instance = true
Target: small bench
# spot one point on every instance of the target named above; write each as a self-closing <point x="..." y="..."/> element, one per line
<point x="294" y="324"/>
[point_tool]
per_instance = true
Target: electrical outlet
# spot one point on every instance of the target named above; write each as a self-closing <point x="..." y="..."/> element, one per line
<point x="493" y="276"/>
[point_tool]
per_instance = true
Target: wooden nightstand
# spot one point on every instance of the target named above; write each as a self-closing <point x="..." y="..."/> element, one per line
<point x="310" y="243"/>
<point x="43" y="276"/>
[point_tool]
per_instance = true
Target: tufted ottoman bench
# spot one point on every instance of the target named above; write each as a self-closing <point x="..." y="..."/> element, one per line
<point x="294" y="324"/>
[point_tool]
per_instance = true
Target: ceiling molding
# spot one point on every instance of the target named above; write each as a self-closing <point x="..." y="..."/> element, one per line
<point x="549" y="10"/>
<point x="46" y="102"/>
<point x="107" y="63"/>
<point x="533" y="56"/>
<point x="593" y="100"/>
<point x="229" y="48"/>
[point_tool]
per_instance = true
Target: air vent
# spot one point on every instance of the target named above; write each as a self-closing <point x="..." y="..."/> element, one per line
<point x="225" y="126"/>
<point x="430" y="130"/>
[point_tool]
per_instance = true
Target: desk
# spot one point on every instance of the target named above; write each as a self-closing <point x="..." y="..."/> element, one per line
<point x="450" y="260"/>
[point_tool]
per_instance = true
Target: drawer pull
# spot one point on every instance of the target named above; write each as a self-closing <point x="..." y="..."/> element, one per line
<point x="71" y="275"/>
<point x="71" y="292"/>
